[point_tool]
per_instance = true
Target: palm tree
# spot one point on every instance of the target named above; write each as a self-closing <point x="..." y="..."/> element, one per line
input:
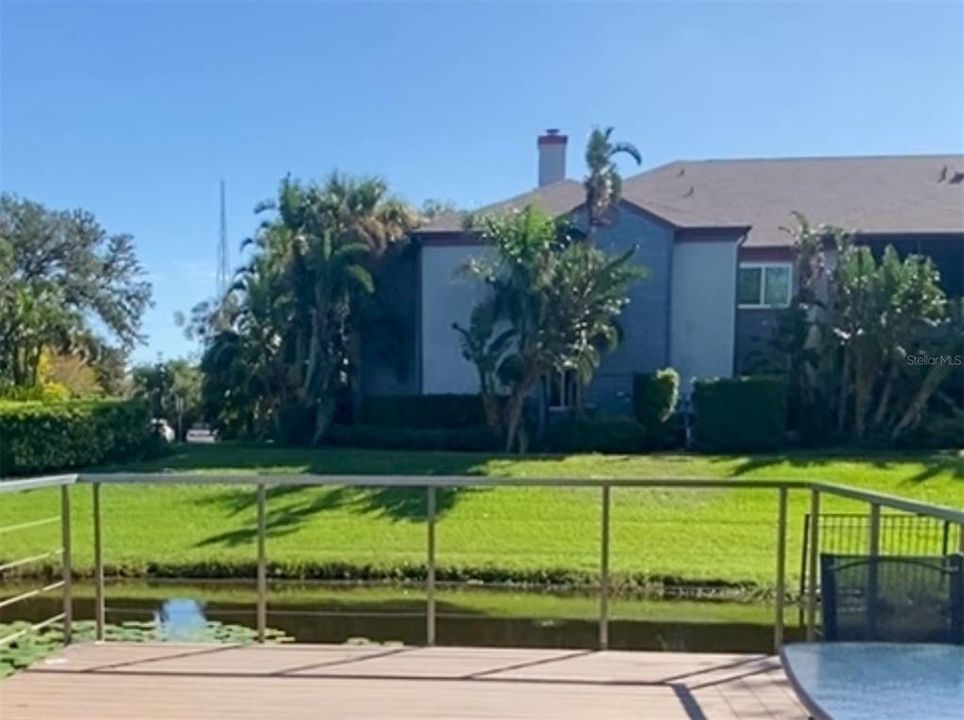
<point x="555" y="301"/>
<point x="294" y="306"/>
<point x="361" y="210"/>
<point x="603" y="183"/>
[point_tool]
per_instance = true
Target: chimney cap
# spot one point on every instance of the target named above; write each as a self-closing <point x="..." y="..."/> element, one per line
<point x="552" y="136"/>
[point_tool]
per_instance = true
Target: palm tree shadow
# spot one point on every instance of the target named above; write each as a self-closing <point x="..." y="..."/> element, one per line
<point x="934" y="463"/>
<point x="295" y="506"/>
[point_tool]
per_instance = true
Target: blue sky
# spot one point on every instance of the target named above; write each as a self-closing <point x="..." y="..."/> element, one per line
<point x="135" y="110"/>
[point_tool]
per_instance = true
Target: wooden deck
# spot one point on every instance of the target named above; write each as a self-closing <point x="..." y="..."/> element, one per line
<point x="201" y="682"/>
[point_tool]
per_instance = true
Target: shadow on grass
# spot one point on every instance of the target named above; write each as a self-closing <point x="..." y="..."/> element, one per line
<point x="266" y="458"/>
<point x="932" y="463"/>
<point x="291" y="507"/>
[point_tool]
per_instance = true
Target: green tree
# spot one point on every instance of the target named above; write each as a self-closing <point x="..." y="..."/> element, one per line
<point x="166" y="385"/>
<point x="553" y="306"/>
<point x="361" y="210"/>
<point x="62" y="274"/>
<point x="603" y="183"/>
<point x="292" y="322"/>
<point x="867" y="343"/>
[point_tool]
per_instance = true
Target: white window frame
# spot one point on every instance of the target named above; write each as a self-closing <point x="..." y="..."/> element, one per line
<point x="568" y="391"/>
<point x="763" y="266"/>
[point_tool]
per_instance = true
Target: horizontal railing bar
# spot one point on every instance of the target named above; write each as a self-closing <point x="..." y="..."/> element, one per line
<point x="422" y="481"/>
<point x="26" y="561"/>
<point x="35" y="483"/>
<point x="33" y="628"/>
<point x="32" y="523"/>
<point x="892" y="501"/>
<point x="31" y="593"/>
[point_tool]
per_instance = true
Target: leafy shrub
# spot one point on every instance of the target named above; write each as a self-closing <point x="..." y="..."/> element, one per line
<point x="596" y="434"/>
<point x="443" y="412"/>
<point x="747" y="413"/>
<point x="40" y="437"/>
<point x="654" y="400"/>
<point x="476" y="438"/>
<point x="45" y="392"/>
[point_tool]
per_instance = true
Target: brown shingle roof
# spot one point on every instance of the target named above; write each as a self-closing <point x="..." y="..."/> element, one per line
<point x="867" y="194"/>
<point x="557" y="199"/>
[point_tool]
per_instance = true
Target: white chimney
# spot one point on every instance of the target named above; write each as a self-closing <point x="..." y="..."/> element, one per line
<point x="552" y="157"/>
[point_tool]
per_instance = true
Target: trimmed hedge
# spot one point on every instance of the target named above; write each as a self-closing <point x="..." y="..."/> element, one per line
<point x="738" y="414"/>
<point x="619" y="435"/>
<point x="654" y="400"/>
<point x="40" y="437"/>
<point x="439" y="412"/>
<point x="473" y="439"/>
<point x="653" y="585"/>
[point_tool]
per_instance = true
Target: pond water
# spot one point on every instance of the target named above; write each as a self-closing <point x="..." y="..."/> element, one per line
<point x="322" y="613"/>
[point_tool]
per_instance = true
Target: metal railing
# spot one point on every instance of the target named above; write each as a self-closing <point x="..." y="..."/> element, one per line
<point x="64" y="552"/>
<point x="781" y="488"/>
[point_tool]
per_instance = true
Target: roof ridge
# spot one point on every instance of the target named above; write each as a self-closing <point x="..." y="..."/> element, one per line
<point x="809" y="158"/>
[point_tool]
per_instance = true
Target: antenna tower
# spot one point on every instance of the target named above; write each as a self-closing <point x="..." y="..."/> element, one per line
<point x="223" y="260"/>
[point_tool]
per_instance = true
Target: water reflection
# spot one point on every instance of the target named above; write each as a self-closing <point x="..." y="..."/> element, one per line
<point x="181" y="619"/>
<point x="476" y="617"/>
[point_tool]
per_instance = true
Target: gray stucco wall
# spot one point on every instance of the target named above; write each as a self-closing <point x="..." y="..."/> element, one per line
<point x="645" y="320"/>
<point x="703" y="308"/>
<point x="447" y="298"/>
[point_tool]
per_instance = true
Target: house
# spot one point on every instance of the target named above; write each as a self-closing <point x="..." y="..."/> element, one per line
<point x="720" y="266"/>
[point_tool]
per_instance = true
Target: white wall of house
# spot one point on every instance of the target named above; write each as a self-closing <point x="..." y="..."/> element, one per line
<point x="703" y="310"/>
<point x="447" y="299"/>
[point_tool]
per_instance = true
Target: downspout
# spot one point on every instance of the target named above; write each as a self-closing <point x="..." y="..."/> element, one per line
<point x="419" y="318"/>
<point x="736" y="306"/>
<point x="668" y="344"/>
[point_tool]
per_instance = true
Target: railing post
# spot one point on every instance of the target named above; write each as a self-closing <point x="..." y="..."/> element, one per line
<point x="262" y="563"/>
<point x="874" y="540"/>
<point x="98" y="567"/>
<point x="604" y="569"/>
<point x="813" y="565"/>
<point x="873" y="577"/>
<point x="67" y="563"/>
<point x="781" y="582"/>
<point x="430" y="567"/>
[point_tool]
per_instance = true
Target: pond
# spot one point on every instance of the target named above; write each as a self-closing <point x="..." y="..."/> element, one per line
<point x="326" y="613"/>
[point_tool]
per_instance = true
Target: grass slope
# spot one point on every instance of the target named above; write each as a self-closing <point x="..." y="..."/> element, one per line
<point x="505" y="533"/>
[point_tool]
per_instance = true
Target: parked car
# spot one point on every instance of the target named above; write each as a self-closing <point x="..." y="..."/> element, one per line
<point x="161" y="427"/>
<point x="201" y="434"/>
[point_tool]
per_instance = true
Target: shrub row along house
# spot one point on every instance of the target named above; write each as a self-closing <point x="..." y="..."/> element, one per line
<point x="711" y="235"/>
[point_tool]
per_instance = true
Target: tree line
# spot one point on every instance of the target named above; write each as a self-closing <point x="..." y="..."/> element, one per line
<point x="72" y="298"/>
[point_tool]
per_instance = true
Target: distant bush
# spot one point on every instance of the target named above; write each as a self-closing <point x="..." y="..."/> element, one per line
<point x="45" y="392"/>
<point x="654" y="400"/>
<point x="478" y="438"/>
<point x="40" y="437"/>
<point x="442" y="412"/>
<point x="737" y="414"/>
<point x="595" y="434"/>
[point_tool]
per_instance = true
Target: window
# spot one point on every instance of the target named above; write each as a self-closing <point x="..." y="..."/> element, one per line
<point x="764" y="285"/>
<point x="562" y="389"/>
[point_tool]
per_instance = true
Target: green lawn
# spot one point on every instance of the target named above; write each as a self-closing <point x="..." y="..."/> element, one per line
<point x="723" y="535"/>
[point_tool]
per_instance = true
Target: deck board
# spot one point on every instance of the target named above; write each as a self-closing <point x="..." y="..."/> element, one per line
<point x="208" y="682"/>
